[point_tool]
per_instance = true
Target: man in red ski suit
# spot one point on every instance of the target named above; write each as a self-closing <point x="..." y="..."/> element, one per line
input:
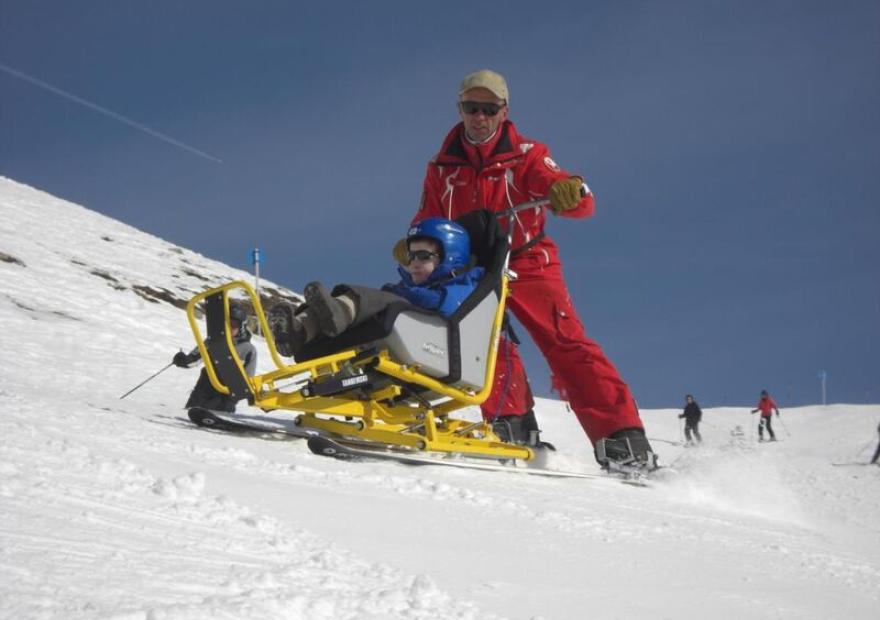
<point x="766" y="406"/>
<point x="484" y="163"/>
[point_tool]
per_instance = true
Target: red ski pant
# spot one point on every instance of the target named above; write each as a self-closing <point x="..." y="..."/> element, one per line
<point x="598" y="396"/>
<point x="511" y="394"/>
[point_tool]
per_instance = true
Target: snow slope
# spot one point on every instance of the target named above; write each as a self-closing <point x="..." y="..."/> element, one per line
<point x="121" y="509"/>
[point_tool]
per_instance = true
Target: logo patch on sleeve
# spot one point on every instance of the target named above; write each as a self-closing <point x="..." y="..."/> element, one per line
<point x="552" y="165"/>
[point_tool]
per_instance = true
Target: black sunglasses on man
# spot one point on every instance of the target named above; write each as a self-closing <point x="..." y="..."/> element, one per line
<point x="472" y="107"/>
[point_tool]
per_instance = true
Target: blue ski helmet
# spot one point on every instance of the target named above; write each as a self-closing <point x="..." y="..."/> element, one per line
<point x="455" y="243"/>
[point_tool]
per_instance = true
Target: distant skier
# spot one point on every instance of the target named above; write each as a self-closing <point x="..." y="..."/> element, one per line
<point x="203" y="394"/>
<point x="766" y="406"/>
<point x="692" y="415"/>
<point x="877" y="451"/>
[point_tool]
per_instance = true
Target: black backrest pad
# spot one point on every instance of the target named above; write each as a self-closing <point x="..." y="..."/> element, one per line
<point x="221" y="357"/>
<point x="485" y="233"/>
<point x="489" y="247"/>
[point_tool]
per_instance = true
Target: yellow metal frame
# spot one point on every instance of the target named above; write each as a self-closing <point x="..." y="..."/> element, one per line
<point x="418" y="426"/>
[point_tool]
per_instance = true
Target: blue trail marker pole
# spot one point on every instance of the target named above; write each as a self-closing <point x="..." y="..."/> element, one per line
<point x="823" y="376"/>
<point x="255" y="261"/>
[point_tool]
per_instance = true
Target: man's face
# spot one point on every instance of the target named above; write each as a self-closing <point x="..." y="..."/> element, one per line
<point x="422" y="266"/>
<point x="479" y="125"/>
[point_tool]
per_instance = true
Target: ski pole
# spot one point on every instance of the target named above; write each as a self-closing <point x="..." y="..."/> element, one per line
<point x="150" y="378"/>
<point x="865" y="447"/>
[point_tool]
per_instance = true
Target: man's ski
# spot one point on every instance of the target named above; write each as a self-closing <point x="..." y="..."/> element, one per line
<point x="325" y="446"/>
<point x="852" y="463"/>
<point x="237" y="423"/>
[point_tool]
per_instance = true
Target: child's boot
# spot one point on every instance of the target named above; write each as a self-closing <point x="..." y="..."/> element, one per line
<point x="333" y="316"/>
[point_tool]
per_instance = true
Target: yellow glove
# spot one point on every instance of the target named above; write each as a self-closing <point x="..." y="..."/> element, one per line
<point x="565" y="194"/>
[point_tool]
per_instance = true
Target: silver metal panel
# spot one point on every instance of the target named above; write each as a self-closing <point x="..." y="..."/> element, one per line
<point x="475" y="331"/>
<point x="420" y="339"/>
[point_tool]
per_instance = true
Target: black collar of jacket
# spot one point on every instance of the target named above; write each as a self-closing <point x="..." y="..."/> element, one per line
<point x="455" y="155"/>
<point x="453" y="274"/>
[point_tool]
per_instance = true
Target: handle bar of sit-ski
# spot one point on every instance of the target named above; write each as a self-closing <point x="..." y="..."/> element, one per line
<point x="524" y="206"/>
<point x="540" y="203"/>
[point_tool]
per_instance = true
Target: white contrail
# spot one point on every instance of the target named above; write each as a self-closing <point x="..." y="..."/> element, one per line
<point x="106" y="112"/>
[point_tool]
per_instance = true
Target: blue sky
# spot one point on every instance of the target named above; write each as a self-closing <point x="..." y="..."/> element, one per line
<point x="733" y="147"/>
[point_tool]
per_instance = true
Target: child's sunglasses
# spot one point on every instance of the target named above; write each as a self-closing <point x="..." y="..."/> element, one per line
<point x="421" y="255"/>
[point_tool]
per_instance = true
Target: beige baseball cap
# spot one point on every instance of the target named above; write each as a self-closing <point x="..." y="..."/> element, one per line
<point x="487" y="79"/>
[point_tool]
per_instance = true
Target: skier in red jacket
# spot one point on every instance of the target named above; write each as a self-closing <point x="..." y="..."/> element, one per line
<point x="484" y="163"/>
<point x="766" y="406"/>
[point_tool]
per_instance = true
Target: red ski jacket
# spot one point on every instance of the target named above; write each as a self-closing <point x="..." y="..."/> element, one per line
<point x="517" y="170"/>
<point x="766" y="405"/>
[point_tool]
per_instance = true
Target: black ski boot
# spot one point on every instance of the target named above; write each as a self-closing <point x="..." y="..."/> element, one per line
<point x="509" y="429"/>
<point x="626" y="450"/>
<point x="331" y="314"/>
<point x="521" y="430"/>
